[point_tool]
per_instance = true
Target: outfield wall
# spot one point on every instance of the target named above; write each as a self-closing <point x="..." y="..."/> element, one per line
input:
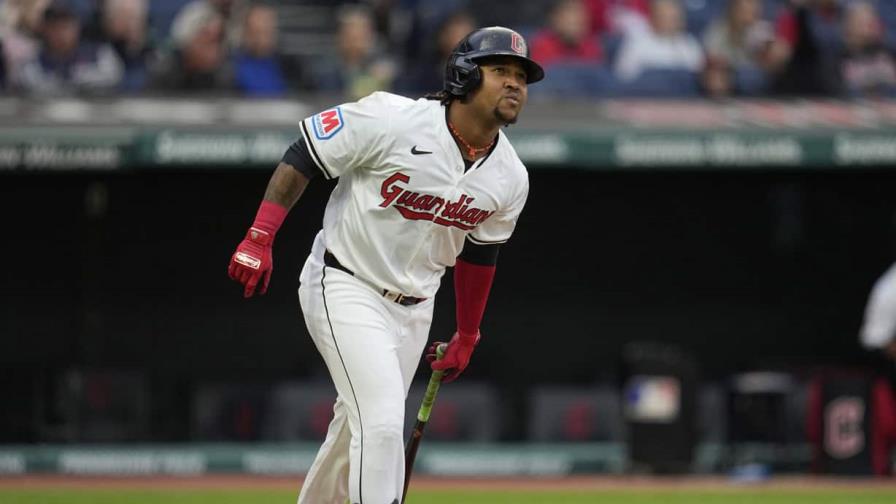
<point x="749" y="233"/>
<point x="435" y="458"/>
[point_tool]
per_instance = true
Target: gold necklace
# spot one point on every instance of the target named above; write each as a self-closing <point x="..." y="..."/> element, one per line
<point x="471" y="151"/>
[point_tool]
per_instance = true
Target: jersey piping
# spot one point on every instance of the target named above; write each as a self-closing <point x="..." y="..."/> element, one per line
<point x="314" y="155"/>
<point x="323" y="293"/>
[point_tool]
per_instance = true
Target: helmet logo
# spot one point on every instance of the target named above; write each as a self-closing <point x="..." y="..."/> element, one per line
<point x="517" y="44"/>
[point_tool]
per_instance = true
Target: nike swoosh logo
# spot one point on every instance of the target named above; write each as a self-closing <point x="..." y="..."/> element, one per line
<point x="416" y="152"/>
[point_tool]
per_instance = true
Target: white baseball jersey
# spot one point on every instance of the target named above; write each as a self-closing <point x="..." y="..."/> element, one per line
<point x="879" y="327"/>
<point x="404" y="203"/>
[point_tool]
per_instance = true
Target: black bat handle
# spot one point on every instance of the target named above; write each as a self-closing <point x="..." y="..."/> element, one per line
<point x="410" y="455"/>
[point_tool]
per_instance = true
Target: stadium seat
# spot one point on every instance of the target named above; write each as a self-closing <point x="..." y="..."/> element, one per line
<point x="758" y="409"/>
<point x="712" y="424"/>
<point x="299" y="411"/>
<point x="465" y="411"/>
<point x="662" y="84"/>
<point x="750" y="81"/>
<point x="756" y="418"/>
<point x="575" y="414"/>
<point x="576" y="80"/>
<point x="96" y="405"/>
<point x="228" y="412"/>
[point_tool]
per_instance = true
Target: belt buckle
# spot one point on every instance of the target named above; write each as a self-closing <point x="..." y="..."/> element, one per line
<point x="392" y="296"/>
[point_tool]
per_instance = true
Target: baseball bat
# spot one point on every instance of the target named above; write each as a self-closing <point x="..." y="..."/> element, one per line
<point x="423" y="413"/>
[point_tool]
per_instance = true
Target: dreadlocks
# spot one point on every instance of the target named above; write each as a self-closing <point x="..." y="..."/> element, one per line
<point x="443" y="96"/>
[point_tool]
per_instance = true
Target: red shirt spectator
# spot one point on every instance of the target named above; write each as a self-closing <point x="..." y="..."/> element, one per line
<point x="549" y="48"/>
<point x="567" y="38"/>
<point x="606" y="15"/>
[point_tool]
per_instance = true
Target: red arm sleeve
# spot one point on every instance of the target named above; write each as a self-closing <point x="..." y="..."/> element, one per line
<point x="472" y="283"/>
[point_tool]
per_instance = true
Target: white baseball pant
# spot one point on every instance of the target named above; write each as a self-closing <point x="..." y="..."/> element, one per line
<point x="372" y="347"/>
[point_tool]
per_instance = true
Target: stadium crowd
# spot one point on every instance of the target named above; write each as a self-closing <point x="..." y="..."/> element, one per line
<point x="590" y="48"/>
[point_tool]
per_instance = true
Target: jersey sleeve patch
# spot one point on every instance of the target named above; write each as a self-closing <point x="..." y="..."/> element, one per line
<point x="327" y="123"/>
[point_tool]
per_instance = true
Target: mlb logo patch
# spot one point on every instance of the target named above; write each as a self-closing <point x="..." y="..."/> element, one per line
<point x="327" y="123"/>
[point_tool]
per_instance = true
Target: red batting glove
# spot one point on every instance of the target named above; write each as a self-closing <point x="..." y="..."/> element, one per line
<point x="253" y="260"/>
<point x="456" y="357"/>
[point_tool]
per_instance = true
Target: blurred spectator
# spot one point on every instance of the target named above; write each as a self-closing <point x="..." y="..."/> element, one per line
<point x="665" y="46"/>
<point x="233" y="13"/>
<point x="426" y="74"/>
<point x="2" y="67"/>
<point x="257" y="69"/>
<point x="567" y="38"/>
<point x="741" y="37"/>
<point x="718" y="77"/>
<point x="198" y="60"/>
<point x="741" y="45"/>
<point x="360" y="67"/>
<point x="64" y="64"/>
<point x="417" y="20"/>
<point x="811" y="31"/>
<point x="386" y="15"/>
<point x="124" y="26"/>
<point x="866" y="66"/>
<point x="20" y="22"/>
<point x="618" y="16"/>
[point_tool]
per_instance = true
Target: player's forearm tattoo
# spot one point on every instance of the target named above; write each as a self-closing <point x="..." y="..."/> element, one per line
<point x="285" y="186"/>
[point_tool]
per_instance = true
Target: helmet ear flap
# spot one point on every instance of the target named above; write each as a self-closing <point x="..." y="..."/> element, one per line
<point x="473" y="79"/>
<point x="462" y="75"/>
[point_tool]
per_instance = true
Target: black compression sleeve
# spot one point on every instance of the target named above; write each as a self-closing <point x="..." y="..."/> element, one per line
<point x="483" y="255"/>
<point x="299" y="158"/>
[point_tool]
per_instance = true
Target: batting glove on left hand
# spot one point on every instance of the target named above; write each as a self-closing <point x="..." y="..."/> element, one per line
<point x="457" y="355"/>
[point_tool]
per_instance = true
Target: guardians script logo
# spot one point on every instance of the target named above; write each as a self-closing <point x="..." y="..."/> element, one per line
<point x="420" y="206"/>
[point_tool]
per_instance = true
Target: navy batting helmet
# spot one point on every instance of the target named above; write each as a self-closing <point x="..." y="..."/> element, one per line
<point x="462" y="73"/>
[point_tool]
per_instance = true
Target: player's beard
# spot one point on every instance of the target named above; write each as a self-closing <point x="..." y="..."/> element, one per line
<point x="506" y="119"/>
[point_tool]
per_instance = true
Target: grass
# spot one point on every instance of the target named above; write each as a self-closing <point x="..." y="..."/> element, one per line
<point x="736" y="496"/>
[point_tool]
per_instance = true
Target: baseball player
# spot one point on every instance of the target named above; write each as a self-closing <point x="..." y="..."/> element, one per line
<point x="423" y="185"/>
<point x="879" y="325"/>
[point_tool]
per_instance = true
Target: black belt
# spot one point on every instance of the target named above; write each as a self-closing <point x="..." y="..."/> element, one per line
<point x="331" y="261"/>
